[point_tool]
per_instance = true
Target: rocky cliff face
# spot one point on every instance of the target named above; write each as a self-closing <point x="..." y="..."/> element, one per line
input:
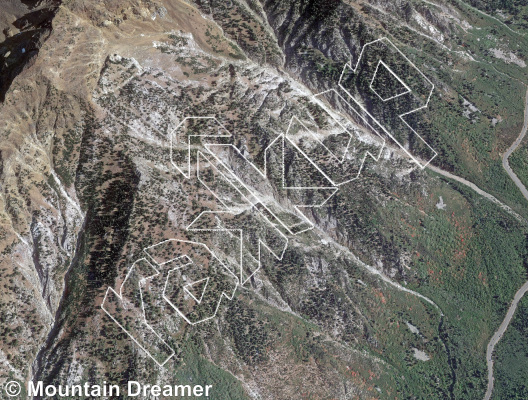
<point x="367" y="304"/>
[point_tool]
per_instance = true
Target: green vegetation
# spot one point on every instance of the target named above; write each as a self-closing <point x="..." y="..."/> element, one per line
<point x="317" y="319"/>
<point x="519" y="162"/>
<point x="196" y="370"/>
<point x="512" y="12"/>
<point x="470" y="258"/>
<point x="511" y="355"/>
<point x="242" y="27"/>
<point x="473" y="122"/>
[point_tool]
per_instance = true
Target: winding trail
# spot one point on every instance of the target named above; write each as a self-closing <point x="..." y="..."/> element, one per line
<point x="520" y="293"/>
<point x="498" y="335"/>
<point x="512" y="148"/>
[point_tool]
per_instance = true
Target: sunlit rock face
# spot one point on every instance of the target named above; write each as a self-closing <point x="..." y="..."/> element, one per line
<point x="239" y="131"/>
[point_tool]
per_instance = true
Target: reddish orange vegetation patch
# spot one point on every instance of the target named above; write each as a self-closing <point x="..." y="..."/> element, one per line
<point x="372" y="375"/>
<point x="380" y="295"/>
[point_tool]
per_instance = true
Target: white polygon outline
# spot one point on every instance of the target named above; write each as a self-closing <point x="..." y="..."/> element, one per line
<point x="394" y="74"/>
<point x="342" y="160"/>
<point x="171" y="138"/>
<point x="264" y="175"/>
<point x="120" y="296"/>
<point x="349" y="65"/>
<point x="223" y="294"/>
<point x="187" y="288"/>
<point x="316" y="139"/>
<point x="145" y="279"/>
<point x="253" y="203"/>
<point x="321" y="104"/>
<point x="240" y="237"/>
<point x="145" y="250"/>
<point x="285" y="137"/>
<point x="255" y="200"/>
<point x="252" y="199"/>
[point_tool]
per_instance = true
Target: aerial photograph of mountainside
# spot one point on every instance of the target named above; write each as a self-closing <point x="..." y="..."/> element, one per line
<point x="264" y="199"/>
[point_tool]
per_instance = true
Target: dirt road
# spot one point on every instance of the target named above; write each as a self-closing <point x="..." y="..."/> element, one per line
<point x="498" y="335"/>
<point x="520" y="293"/>
<point x="512" y="148"/>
